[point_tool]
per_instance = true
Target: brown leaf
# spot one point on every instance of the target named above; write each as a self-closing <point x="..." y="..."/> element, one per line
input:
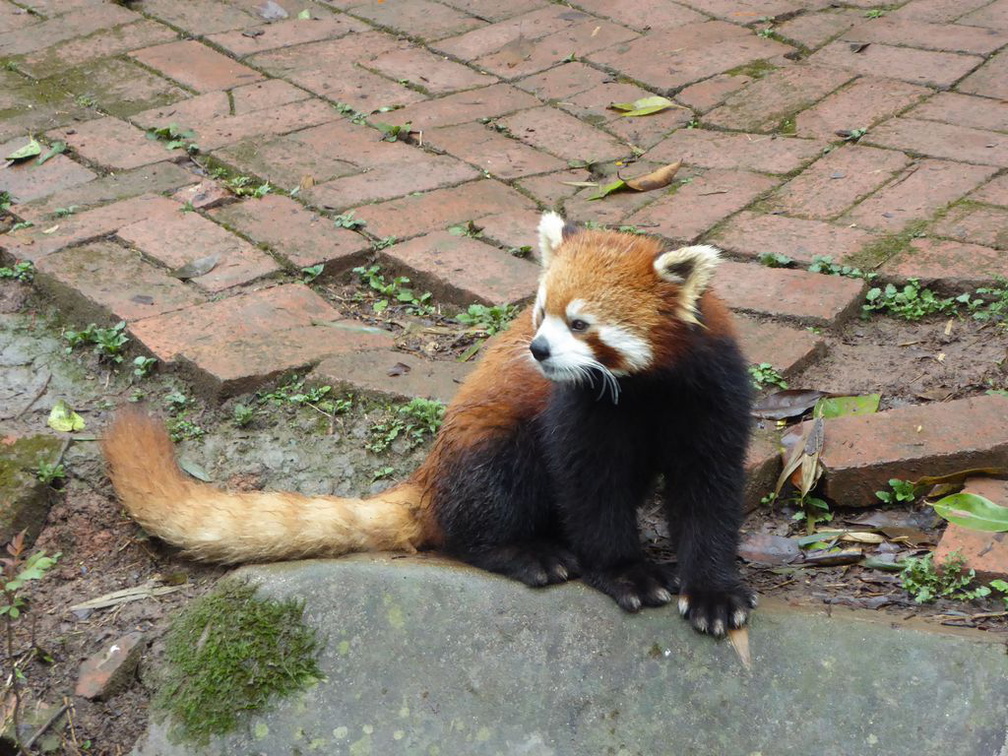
<point x="514" y="52"/>
<point x="787" y="403"/>
<point x="656" y="179"/>
<point x="400" y="368"/>
<point x="307" y="182"/>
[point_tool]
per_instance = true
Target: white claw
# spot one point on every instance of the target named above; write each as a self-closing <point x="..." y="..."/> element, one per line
<point x="718" y="629"/>
<point x="739" y="618"/>
<point x="683" y="605"/>
<point x="701" y="624"/>
<point x="663" y="595"/>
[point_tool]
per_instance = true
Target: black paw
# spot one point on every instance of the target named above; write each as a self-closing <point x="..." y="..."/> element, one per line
<point x="536" y="564"/>
<point x="716" y="612"/>
<point x="635" y="585"/>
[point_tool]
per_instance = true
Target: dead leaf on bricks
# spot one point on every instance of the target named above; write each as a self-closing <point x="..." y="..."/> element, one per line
<point x="644" y="106"/>
<point x="196" y="268"/>
<point x="781" y="405"/>
<point x="649" y="182"/>
<point x="515" y="51"/>
<point x="803" y="461"/>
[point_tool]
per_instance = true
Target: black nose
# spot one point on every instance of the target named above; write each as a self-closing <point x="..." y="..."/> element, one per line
<point x="539" y="348"/>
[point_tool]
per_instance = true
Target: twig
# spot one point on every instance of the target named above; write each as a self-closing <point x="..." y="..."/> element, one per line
<point x="38" y="395"/>
<point x="45" y="726"/>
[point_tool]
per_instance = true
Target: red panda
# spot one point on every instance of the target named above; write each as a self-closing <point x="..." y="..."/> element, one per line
<point x="625" y="369"/>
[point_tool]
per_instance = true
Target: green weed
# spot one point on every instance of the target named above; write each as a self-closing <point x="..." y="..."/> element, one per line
<point x="49" y="472"/>
<point x="927" y="583"/>
<point x="393" y="291"/>
<point x="109" y="343"/>
<point x="23" y="271"/>
<point x="488" y="319"/>
<point x="901" y="492"/>
<point x="764" y="374"/>
<point x="909" y="302"/>
<point x="347" y="220"/>
<point x="415" y="421"/>
<point x="175" y="138"/>
<point x="775" y="260"/>
<point x="824" y="264"/>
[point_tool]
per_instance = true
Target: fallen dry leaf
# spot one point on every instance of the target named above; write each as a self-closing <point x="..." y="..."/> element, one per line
<point x="656" y="179"/>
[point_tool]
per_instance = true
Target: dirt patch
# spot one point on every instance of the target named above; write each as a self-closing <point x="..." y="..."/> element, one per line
<point x="315" y="447"/>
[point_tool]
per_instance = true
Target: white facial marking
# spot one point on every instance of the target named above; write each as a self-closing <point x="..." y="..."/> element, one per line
<point x="575" y="310"/>
<point x="540" y="303"/>
<point x="635" y="351"/>
<point x="567" y="354"/>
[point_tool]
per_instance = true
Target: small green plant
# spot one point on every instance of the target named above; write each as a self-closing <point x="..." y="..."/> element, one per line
<point x="764" y="374"/>
<point x="991" y="304"/>
<point x="875" y="13"/>
<point x="347" y="220"/>
<point x="64" y="212"/>
<point x="176" y="401"/>
<point x="383" y="243"/>
<point x="175" y="138"/>
<point x="393" y="290"/>
<point x="813" y="511"/>
<point x="22" y="271"/>
<point x="311" y="272"/>
<point x="901" y="491"/>
<point x="766" y="32"/>
<point x="109" y="343"/>
<point x="382" y="472"/>
<point x="230" y="654"/>
<point x="414" y="421"/>
<point x="49" y="472"/>
<point x="927" y="583"/>
<point x="910" y="302"/>
<point x="394" y="132"/>
<point x="1001" y="586"/>
<point x="468" y="228"/>
<point x="524" y="251"/>
<point x="180" y="429"/>
<point x="85" y="101"/>
<point x="775" y="260"/>
<point x="852" y="135"/>
<point x="489" y="319"/>
<point x="245" y="186"/>
<point x="143" y="366"/>
<point x="5" y="200"/>
<point x="294" y="393"/>
<point x="242" y="415"/>
<point x="824" y="264"/>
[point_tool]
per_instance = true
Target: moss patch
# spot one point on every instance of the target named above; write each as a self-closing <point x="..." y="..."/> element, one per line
<point x="886" y="247"/>
<point x="757" y="69"/>
<point x="231" y="654"/>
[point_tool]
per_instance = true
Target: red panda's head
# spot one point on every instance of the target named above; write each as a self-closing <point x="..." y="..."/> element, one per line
<point x="612" y="303"/>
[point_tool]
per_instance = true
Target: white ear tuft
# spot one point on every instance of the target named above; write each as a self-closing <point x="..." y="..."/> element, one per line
<point x="551" y="228"/>
<point x="692" y="268"/>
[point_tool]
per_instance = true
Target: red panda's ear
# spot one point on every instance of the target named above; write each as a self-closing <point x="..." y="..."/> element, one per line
<point x="551" y="234"/>
<point x="692" y="268"/>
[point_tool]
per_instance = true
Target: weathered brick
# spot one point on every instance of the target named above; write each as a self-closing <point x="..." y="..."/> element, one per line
<point x="181" y="238"/>
<point x="990" y="80"/>
<point x="948" y="266"/>
<point x="264" y="122"/>
<point x="118" y="87"/>
<point x="493" y="10"/>
<point x="518" y="32"/>
<point x="560" y="134"/>
<point x="236" y="344"/>
<point x="474" y="105"/>
<point x="673" y="58"/>
<point x="105" y="281"/>
<point x="862" y="452"/>
<point x="747" y="11"/>
<point x="925" y="188"/>
<point x="13" y="17"/>
<point x="28" y="181"/>
<point x="940" y="69"/>
<point x="709" y="93"/>
<point x="512" y="230"/>
<point x="765" y="103"/>
<point x="292" y="31"/>
<point x="432" y="73"/>
<point x="492" y="151"/>
<point x="462" y="270"/>
<point x="832" y="184"/>
<point x="563" y="82"/>
<point x="63" y="28"/>
<point x="753" y="234"/>
<point x="197" y="66"/>
<point x="814" y="29"/>
<point x="204" y="195"/>
<point x="937" y="11"/>
<point x="864" y="103"/>
<point x="27" y="110"/>
<point x="35" y="243"/>
<point x="810" y="298"/>
<point x="987" y="553"/>
<point x="209" y="16"/>
<point x="751" y="152"/>
<point x="157" y="177"/>
<point x="942" y="36"/>
<point x="110" y="670"/>
<point x="995" y="191"/>
<point x="369" y="373"/>
<point x="983" y="225"/>
<point x="762" y="466"/>
<point x="963" y="110"/>
<point x="203" y="111"/>
<point x="993" y="16"/>
<point x="549" y="190"/>
<point x="943" y="140"/>
<point x="643" y="15"/>
<point x="787" y="348"/>
<point x="113" y="143"/>
<point x="420" y="18"/>
<point x="296" y="233"/>
<point x="440" y="209"/>
<point x="701" y="204"/>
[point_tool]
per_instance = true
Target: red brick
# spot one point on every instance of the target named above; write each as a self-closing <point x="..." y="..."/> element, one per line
<point x="615" y="209"/>
<point x="491" y="151"/>
<point x="419" y="18"/>
<point x="643" y="15"/>
<point x="993" y="16"/>
<point x="581" y="39"/>
<point x="118" y="87"/>
<point x="113" y="143"/>
<point x="563" y="82"/>
<point x="948" y="266"/>
<point x="986" y="553"/>
<point x="862" y="452"/>
<point x="103" y="281"/>
<point x="209" y="16"/>
<point x="368" y="373"/>
<point x="197" y="66"/>
<point x="984" y="225"/>
<point x="63" y="28"/>
<point x="701" y="204"/>
<point x="527" y="28"/>
<point x="864" y="103"/>
<point x="810" y="298"/>
<point x="158" y="177"/>
<point x="560" y="134"/>
<point x="474" y="105"/>
<point x="990" y="80"/>
<point x="512" y="230"/>
<point x="832" y="184"/>
<point x="293" y="31"/>
<point x="668" y="59"/>
<point x="49" y="8"/>
<point x="787" y="348"/>
<point x="940" y="69"/>
<point x="709" y="93"/>
<point x="943" y="140"/>
<point x="752" y="235"/>
<point x="549" y="190"/>
<point x="925" y="188"/>
<point x="762" y="466"/>
<point x="28" y="181"/>
<point x="236" y="344"/>
<point x="814" y="29"/>
<point x="766" y="102"/>
<point x="54" y="60"/>
<point x="964" y="110"/>
<point x="183" y="237"/>
<point x="461" y="270"/>
<point x="433" y="74"/>
<point x="440" y="209"/>
<point x="296" y="233"/>
<point x="13" y="17"/>
<point x="995" y="191"/>
<point x="494" y="10"/>
<point x="204" y="195"/>
<point x="751" y="152"/>
<point x="110" y="670"/>
<point x="937" y="11"/>
<point x="35" y="243"/>
<point x="748" y="11"/>
<point x="263" y="123"/>
<point x="941" y="36"/>
<point x="423" y="173"/>
<point x="27" y="110"/>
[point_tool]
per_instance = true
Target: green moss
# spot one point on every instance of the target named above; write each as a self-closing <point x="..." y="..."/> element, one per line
<point x="887" y="246"/>
<point x="229" y="655"/>
<point x="756" y="70"/>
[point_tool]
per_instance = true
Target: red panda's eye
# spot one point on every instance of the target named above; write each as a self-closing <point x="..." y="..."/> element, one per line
<point x="578" y="325"/>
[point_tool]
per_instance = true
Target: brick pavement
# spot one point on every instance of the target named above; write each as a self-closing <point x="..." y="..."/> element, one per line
<point x="507" y="101"/>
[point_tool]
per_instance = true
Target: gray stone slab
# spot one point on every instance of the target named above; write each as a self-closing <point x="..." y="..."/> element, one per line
<point x="425" y="657"/>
